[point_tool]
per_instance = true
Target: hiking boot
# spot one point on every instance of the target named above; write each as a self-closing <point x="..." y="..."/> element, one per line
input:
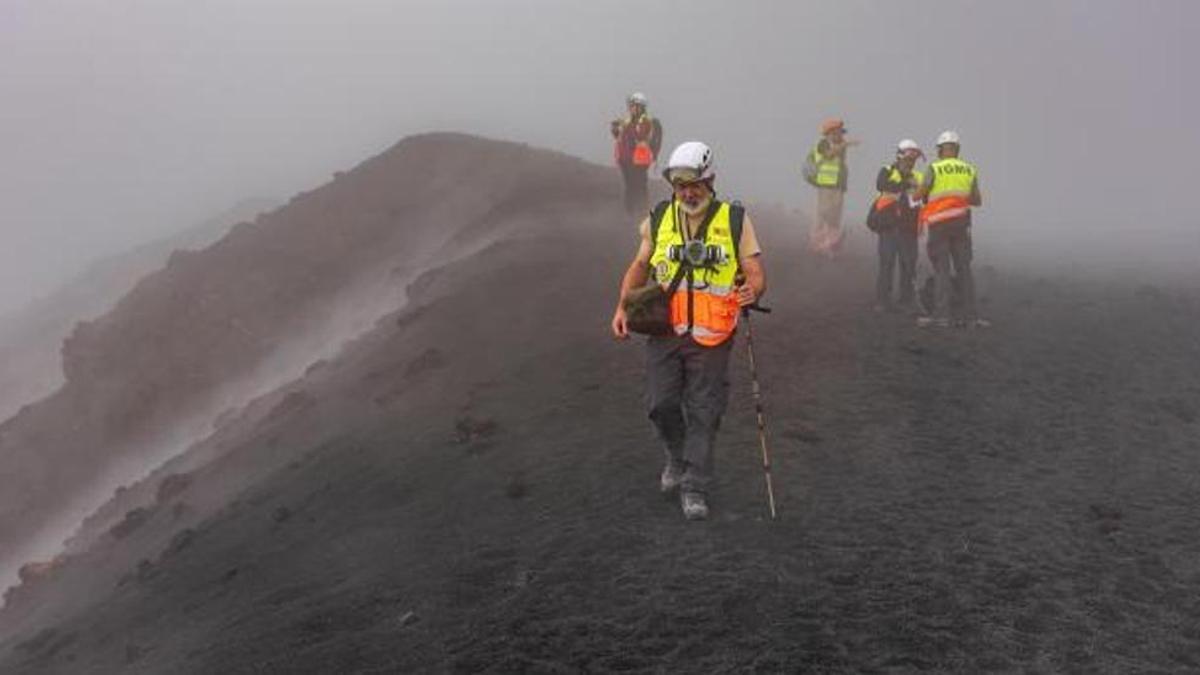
<point x="931" y="322"/>
<point x="694" y="506"/>
<point x="670" y="479"/>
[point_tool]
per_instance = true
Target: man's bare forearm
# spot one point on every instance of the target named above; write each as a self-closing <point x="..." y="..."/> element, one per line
<point x="635" y="276"/>
<point x="755" y="276"/>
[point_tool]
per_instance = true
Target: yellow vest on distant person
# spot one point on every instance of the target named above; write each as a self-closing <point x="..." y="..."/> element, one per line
<point x="886" y="199"/>
<point x="829" y="169"/>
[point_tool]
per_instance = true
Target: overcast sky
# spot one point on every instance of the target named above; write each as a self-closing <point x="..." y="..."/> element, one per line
<point x="123" y="120"/>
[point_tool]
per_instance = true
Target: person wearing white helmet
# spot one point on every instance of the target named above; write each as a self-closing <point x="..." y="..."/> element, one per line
<point x="637" y="138"/>
<point x="950" y="189"/>
<point x="893" y="218"/>
<point x="697" y="264"/>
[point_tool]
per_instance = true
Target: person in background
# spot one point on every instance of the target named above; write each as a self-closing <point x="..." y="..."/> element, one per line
<point x="950" y="189"/>
<point x="637" y="138"/>
<point x="704" y="253"/>
<point x="825" y="169"/>
<point x="893" y="218"/>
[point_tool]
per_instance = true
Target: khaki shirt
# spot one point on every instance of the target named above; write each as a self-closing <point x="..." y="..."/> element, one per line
<point x="747" y="246"/>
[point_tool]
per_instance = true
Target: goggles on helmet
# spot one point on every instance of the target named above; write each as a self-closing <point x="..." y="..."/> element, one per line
<point x="683" y="175"/>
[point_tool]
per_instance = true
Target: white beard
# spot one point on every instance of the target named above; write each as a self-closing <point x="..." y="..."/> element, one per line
<point x="698" y="209"/>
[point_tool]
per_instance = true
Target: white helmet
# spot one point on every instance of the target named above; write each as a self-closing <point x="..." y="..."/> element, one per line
<point x="690" y="161"/>
<point x="907" y="145"/>
<point x="638" y="98"/>
<point x="948" y="137"/>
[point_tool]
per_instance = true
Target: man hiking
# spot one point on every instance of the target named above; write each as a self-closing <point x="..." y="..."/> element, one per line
<point x="893" y="219"/>
<point x="950" y="189"/>
<point x="825" y="169"/>
<point x="637" y="138"/>
<point x="703" y="252"/>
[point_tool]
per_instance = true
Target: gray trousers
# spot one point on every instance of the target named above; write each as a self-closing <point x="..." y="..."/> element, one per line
<point x="950" y="243"/>
<point x="687" y="389"/>
<point x="896" y="244"/>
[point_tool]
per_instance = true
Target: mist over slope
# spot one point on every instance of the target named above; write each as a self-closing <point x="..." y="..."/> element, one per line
<point x="470" y="483"/>
<point x="31" y="338"/>
<point x="202" y="334"/>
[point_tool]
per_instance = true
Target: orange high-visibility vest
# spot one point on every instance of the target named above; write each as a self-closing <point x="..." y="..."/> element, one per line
<point x="642" y="128"/>
<point x="642" y="155"/>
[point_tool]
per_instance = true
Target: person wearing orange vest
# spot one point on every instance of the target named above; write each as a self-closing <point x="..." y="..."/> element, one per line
<point x="951" y="188"/>
<point x="704" y="253"/>
<point x="893" y="218"/>
<point x="636" y="141"/>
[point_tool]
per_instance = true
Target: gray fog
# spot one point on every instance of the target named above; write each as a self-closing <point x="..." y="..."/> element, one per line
<point x="125" y="120"/>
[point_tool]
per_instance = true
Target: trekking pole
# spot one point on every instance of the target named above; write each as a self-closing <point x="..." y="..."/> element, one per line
<point x="758" y="408"/>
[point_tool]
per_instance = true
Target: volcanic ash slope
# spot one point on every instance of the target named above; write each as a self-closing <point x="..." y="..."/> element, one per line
<point x="471" y="485"/>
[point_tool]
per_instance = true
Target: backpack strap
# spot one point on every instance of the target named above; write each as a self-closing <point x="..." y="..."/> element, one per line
<point x="656" y="218"/>
<point x="737" y="213"/>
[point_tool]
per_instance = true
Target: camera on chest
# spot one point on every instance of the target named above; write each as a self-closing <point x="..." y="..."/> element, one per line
<point x="697" y="254"/>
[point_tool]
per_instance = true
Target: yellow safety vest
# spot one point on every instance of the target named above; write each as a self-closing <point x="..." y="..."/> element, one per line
<point x="829" y="169"/>
<point x="949" y="194"/>
<point x="713" y="305"/>
<point x="886" y="199"/>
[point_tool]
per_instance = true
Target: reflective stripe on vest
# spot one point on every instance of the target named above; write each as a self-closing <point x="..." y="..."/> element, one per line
<point x="714" y="307"/>
<point x="829" y="169"/>
<point x="950" y="194"/>
<point x="886" y="199"/>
